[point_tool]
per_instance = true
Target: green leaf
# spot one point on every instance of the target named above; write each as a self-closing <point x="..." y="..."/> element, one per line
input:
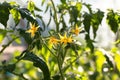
<point x="37" y="43"/>
<point x="16" y="15"/>
<point x="87" y="22"/>
<point x="25" y="13"/>
<point x="18" y="40"/>
<point x="37" y="62"/>
<point x="13" y="4"/>
<point x="9" y="68"/>
<point x="56" y="77"/>
<point x="37" y="9"/>
<point x="74" y="13"/>
<point x="117" y="61"/>
<point x="63" y="1"/>
<point x="79" y="6"/>
<point x="4" y="13"/>
<point x="99" y="60"/>
<point x="42" y="21"/>
<point x="96" y="20"/>
<point x="43" y="1"/>
<point x="89" y="43"/>
<point x="25" y="36"/>
<point x="3" y="33"/>
<point x="88" y="6"/>
<point x="31" y="6"/>
<point x="109" y="60"/>
<point x="112" y="20"/>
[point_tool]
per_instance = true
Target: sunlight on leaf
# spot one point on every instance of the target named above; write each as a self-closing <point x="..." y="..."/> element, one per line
<point x="1" y="38"/>
<point x="16" y="15"/>
<point x="31" y="6"/>
<point x="117" y="60"/>
<point x="100" y="59"/>
<point x="79" y="6"/>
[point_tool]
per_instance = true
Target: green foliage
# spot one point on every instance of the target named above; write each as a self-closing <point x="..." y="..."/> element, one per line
<point x="92" y="19"/>
<point x="37" y="62"/>
<point x="96" y="21"/>
<point x="16" y="15"/>
<point x="2" y="34"/>
<point x="4" y="13"/>
<point x="60" y="55"/>
<point x="117" y="57"/>
<point x="113" y="20"/>
<point x="31" y="6"/>
<point x="100" y="60"/>
<point x="87" y="22"/>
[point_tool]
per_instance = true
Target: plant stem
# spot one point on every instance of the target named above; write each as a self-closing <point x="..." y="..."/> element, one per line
<point x="44" y="43"/>
<point x="5" y="46"/>
<point x="55" y="17"/>
<point x="20" y="75"/>
<point x="60" y="68"/>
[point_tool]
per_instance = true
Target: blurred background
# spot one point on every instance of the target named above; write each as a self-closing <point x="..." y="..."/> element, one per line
<point x="105" y="37"/>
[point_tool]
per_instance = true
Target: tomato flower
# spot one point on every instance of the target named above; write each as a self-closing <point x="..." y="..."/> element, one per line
<point x="64" y="39"/>
<point x="77" y="30"/>
<point x="33" y="29"/>
<point x="53" y="40"/>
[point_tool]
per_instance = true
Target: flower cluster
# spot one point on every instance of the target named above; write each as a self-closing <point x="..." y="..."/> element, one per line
<point x="65" y="38"/>
<point x="62" y="39"/>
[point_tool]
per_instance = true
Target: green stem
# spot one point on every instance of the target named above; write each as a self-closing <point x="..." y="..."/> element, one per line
<point x="55" y="17"/>
<point x="44" y="43"/>
<point x="20" y="75"/>
<point x="59" y="57"/>
<point x="49" y="49"/>
<point x="5" y="46"/>
<point x="60" y="67"/>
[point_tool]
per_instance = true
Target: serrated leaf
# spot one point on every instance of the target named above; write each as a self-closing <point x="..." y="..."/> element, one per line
<point x="13" y="4"/>
<point x="112" y="20"/>
<point x="9" y="68"/>
<point x="37" y="62"/>
<point x="88" y="6"/>
<point x="79" y="6"/>
<point x="96" y="21"/>
<point x="4" y="13"/>
<point x="25" y="13"/>
<point x="31" y="6"/>
<point x="117" y="61"/>
<point x="87" y="21"/>
<point x="16" y="15"/>
<point x="99" y="60"/>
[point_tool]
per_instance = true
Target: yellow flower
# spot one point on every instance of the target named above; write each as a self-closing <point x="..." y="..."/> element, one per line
<point x="76" y="30"/>
<point x="70" y="39"/>
<point x="53" y="40"/>
<point x="33" y="29"/>
<point x="64" y="39"/>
